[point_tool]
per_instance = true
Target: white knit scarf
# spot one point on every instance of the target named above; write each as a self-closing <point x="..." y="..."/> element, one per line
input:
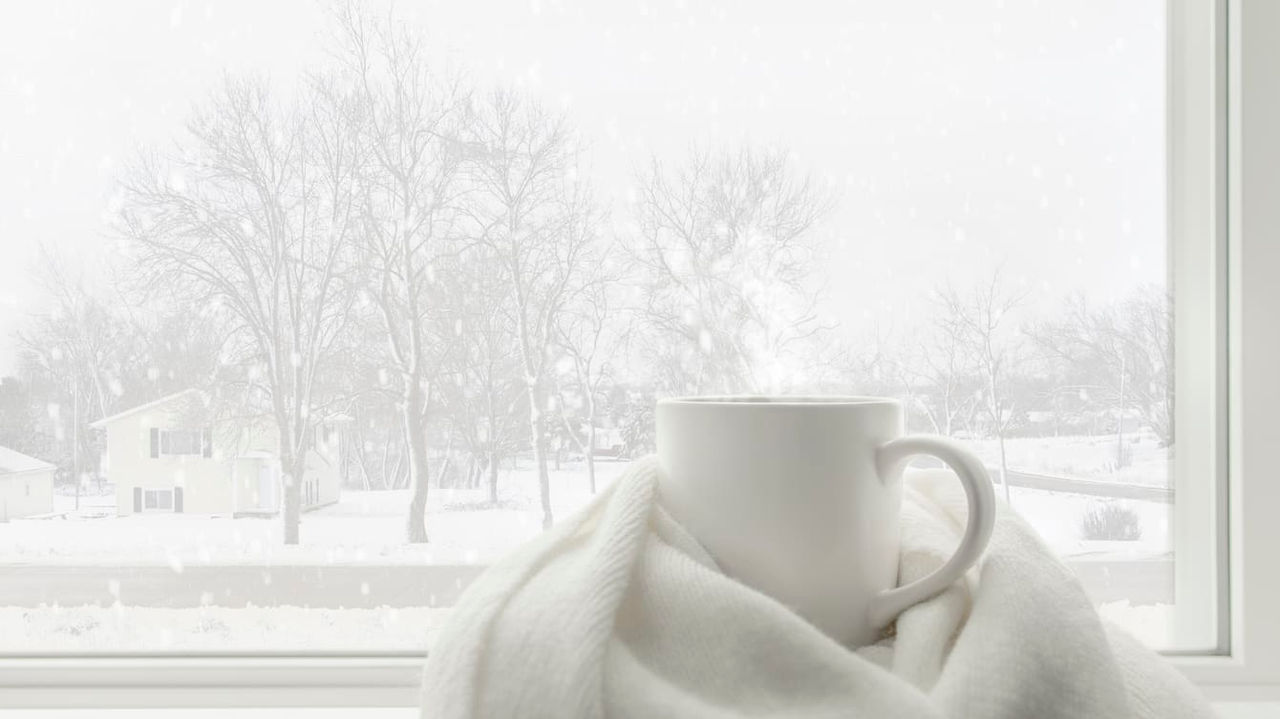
<point x="618" y="612"/>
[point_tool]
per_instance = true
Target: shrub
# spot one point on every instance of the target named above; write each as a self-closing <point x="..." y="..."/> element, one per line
<point x="1111" y="520"/>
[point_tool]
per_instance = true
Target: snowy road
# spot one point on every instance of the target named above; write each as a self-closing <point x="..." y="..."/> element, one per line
<point x="1140" y="582"/>
<point x="1077" y="485"/>
<point x="235" y="586"/>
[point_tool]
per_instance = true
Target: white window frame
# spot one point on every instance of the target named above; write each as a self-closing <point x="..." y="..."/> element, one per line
<point x="1224" y="197"/>
<point x="1245" y="186"/>
<point x="1197" y="210"/>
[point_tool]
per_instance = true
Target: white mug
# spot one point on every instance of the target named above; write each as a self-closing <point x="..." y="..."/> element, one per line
<point x="799" y="498"/>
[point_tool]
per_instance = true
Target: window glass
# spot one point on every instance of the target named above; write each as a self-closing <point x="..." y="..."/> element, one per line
<point x="180" y="441"/>
<point x="157" y="499"/>
<point x="477" y="283"/>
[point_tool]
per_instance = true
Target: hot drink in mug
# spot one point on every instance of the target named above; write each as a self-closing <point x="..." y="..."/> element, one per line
<point x="799" y="498"/>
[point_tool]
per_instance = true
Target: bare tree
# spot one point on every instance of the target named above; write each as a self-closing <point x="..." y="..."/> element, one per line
<point x="950" y="377"/>
<point x="409" y="120"/>
<point x="929" y="368"/>
<point x="80" y="351"/>
<point x="536" y="218"/>
<point x="253" y="216"/>
<point x="1149" y="326"/>
<point x="485" y="401"/>
<point x="980" y="321"/>
<point x="374" y="441"/>
<point x="21" y="409"/>
<point x="727" y="247"/>
<point x="590" y="334"/>
<point x="1119" y="355"/>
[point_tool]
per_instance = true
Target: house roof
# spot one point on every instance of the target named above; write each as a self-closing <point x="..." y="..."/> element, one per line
<point x="12" y="462"/>
<point x="144" y="407"/>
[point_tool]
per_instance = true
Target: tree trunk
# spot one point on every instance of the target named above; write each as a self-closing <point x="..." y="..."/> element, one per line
<point x="402" y="473"/>
<point x="1120" y="463"/>
<point x="997" y="416"/>
<point x="538" y="434"/>
<point x="1004" y="468"/>
<point x="591" y="454"/>
<point x="355" y="441"/>
<point x="364" y="471"/>
<point x="75" y="443"/>
<point x="444" y="470"/>
<point x="386" y="476"/>
<point x="294" y="466"/>
<point x="493" y="477"/>
<point x="419" y="474"/>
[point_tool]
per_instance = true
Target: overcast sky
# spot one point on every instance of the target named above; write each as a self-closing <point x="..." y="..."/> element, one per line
<point x="958" y="135"/>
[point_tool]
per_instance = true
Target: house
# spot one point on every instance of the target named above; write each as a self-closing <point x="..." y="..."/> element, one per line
<point x="170" y="455"/>
<point x="26" y="485"/>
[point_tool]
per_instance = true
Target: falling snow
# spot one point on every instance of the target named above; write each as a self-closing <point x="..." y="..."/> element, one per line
<point x="825" y="210"/>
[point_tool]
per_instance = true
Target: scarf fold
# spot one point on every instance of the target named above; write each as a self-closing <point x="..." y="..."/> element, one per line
<point x="619" y="612"/>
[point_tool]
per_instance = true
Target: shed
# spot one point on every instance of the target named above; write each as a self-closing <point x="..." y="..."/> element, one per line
<point x="26" y="485"/>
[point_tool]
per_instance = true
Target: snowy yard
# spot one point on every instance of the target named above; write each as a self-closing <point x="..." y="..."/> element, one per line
<point x="317" y="242"/>
<point x="363" y="528"/>
<point x="222" y="629"/>
<point x="216" y="629"/>
<point x="1146" y="462"/>
<point x="367" y="529"/>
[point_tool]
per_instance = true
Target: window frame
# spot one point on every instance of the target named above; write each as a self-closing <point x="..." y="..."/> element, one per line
<point x="1248" y="137"/>
<point x="1221" y="219"/>
<point x="1196" y="107"/>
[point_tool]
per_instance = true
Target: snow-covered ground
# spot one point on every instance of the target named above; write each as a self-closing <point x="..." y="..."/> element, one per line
<point x="363" y="528"/>
<point x="367" y="528"/>
<point x="222" y="629"/>
<point x="1145" y="461"/>
<point x="216" y="629"/>
<point x="1056" y="516"/>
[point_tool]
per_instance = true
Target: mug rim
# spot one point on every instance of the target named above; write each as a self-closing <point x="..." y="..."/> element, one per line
<point x="780" y="400"/>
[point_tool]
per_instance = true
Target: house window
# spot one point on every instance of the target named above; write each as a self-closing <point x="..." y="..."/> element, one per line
<point x="157" y="499"/>
<point x="181" y="442"/>
<point x="321" y="436"/>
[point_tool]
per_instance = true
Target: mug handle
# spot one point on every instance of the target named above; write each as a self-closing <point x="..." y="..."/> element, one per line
<point x="891" y="459"/>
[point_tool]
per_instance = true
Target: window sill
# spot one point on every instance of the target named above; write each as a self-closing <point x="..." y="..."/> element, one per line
<point x="297" y="683"/>
<point x="1227" y="710"/>
<point x="210" y="682"/>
